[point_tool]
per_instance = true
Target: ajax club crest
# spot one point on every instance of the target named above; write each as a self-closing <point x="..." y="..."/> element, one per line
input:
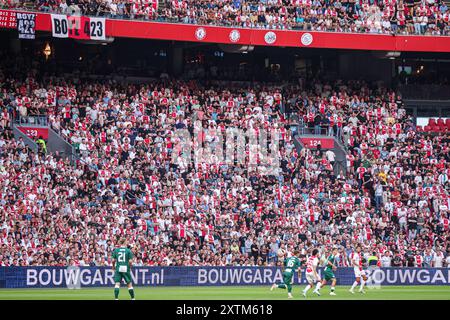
<point x="234" y="35"/>
<point x="270" y="37"/>
<point x="306" y="39"/>
<point x="200" y="33"/>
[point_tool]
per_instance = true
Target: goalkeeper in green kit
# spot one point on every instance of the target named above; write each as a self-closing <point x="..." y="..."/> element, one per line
<point x="291" y="265"/>
<point x="328" y="274"/>
<point x="121" y="263"/>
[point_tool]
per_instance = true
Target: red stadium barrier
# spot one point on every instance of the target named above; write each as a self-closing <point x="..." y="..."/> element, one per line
<point x="258" y="37"/>
<point x="34" y="132"/>
<point x="312" y="142"/>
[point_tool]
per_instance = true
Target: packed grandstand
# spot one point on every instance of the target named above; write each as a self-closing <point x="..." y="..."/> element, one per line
<point x="425" y="17"/>
<point x="391" y="196"/>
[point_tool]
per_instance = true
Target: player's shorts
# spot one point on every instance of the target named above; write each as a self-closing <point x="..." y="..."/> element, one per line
<point x="126" y="276"/>
<point x="287" y="277"/>
<point x="329" y="275"/>
<point x="359" y="273"/>
<point x="310" y="278"/>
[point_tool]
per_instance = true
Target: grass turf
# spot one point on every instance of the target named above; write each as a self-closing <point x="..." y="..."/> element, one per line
<point x="228" y="293"/>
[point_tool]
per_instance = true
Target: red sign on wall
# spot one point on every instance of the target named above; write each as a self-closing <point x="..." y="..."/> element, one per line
<point x="8" y="19"/>
<point x="326" y="143"/>
<point x="34" y="132"/>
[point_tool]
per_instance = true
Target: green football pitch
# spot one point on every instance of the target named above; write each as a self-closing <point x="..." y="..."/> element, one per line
<point x="228" y="293"/>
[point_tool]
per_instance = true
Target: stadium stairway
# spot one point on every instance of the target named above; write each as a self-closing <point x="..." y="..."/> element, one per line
<point x="55" y="143"/>
<point x="338" y="149"/>
<point x="304" y="135"/>
<point x="29" y="142"/>
<point x="58" y="143"/>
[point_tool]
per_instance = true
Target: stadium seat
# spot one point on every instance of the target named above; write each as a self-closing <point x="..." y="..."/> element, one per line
<point x="419" y="129"/>
<point x="431" y="122"/>
<point x="440" y="122"/>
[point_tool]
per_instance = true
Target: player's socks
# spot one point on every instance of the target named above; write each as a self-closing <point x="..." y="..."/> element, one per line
<point x="332" y="293"/>
<point x="307" y="288"/>
<point x="318" y="286"/>
<point x="281" y="286"/>
<point x="131" y="292"/>
<point x="354" y="286"/>
<point x="116" y="293"/>
<point x="316" y="290"/>
<point x="361" y="288"/>
<point x="289" y="288"/>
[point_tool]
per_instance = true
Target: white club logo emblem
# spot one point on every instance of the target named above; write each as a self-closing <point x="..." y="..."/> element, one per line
<point x="234" y="36"/>
<point x="306" y="39"/>
<point x="270" y="37"/>
<point x="200" y="33"/>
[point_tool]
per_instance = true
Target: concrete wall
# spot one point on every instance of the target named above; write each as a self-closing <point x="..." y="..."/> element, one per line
<point x="57" y="143"/>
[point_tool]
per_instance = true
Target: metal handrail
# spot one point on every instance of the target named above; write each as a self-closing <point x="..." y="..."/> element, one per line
<point x="41" y="120"/>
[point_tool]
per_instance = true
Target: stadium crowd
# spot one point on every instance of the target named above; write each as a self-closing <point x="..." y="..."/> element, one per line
<point x="430" y="17"/>
<point x="392" y="198"/>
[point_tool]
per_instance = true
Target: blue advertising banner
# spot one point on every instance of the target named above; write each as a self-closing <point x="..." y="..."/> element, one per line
<point x="49" y="277"/>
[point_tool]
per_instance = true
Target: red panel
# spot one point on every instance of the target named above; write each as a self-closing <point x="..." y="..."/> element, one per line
<point x="34" y="132"/>
<point x="77" y="31"/>
<point x="326" y="143"/>
<point x="43" y="22"/>
<point x="259" y="37"/>
<point x="8" y="19"/>
<point x="152" y="30"/>
<point x="423" y="43"/>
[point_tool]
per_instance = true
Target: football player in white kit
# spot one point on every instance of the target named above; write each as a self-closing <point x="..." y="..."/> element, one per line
<point x="311" y="273"/>
<point x="356" y="262"/>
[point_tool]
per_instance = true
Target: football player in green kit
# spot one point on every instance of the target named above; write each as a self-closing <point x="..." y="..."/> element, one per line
<point x="328" y="274"/>
<point x="121" y="264"/>
<point x="291" y="265"/>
